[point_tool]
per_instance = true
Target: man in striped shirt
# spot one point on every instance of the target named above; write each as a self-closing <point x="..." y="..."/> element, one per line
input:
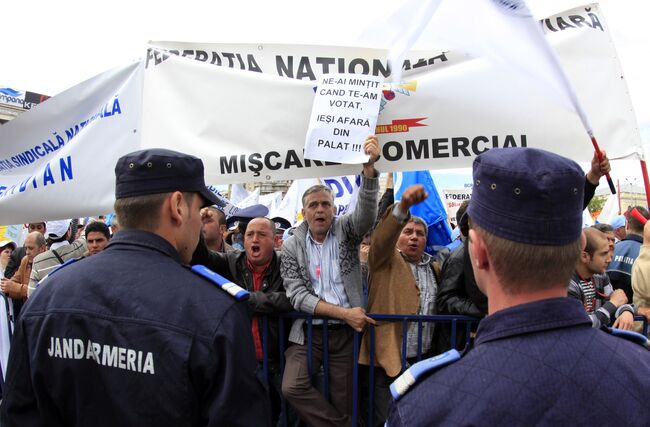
<point x="591" y="285"/>
<point x="58" y="232"/>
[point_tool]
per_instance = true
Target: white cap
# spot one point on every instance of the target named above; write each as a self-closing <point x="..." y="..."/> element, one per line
<point x="5" y="243"/>
<point x="57" y="229"/>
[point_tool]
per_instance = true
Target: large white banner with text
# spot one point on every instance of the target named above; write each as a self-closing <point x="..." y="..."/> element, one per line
<point x="57" y="160"/>
<point x="244" y="109"/>
<point x="248" y="117"/>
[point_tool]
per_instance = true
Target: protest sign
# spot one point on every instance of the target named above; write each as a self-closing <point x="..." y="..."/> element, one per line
<point x="344" y="112"/>
<point x="454" y="197"/>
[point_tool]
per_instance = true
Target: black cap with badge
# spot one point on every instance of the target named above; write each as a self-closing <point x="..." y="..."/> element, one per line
<point x="156" y="171"/>
<point x="243" y="216"/>
<point x="281" y="224"/>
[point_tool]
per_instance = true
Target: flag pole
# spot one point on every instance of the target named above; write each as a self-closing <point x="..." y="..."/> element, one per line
<point x="646" y="182"/>
<point x="618" y="184"/>
<point x="612" y="188"/>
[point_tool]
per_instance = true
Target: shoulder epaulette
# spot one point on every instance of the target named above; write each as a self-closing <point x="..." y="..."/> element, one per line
<point x="236" y="291"/>
<point x="630" y="336"/>
<point x="402" y="384"/>
<point x="57" y="268"/>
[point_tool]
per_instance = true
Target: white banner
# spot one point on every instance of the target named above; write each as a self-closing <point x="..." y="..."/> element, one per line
<point x="346" y="192"/>
<point x="224" y="204"/>
<point x="58" y="160"/>
<point x="610" y="210"/>
<point x="238" y="193"/>
<point x="272" y="201"/>
<point x="290" y="208"/>
<point x="449" y="108"/>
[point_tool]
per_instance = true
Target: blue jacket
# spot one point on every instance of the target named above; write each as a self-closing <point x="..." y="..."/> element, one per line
<point x="132" y="337"/>
<point x="535" y="364"/>
<point x="620" y="268"/>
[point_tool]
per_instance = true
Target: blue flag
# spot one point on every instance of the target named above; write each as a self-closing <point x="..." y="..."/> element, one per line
<point x="432" y="210"/>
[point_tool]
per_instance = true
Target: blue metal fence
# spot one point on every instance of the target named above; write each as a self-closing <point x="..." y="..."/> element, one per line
<point x="644" y="320"/>
<point x="455" y="321"/>
<point x="465" y="321"/>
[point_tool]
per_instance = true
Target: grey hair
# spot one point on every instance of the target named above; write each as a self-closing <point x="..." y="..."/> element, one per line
<point x="418" y="220"/>
<point x="315" y="189"/>
<point x="39" y="239"/>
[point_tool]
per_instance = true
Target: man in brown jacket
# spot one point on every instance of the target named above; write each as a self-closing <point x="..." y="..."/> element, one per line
<point x="16" y="287"/>
<point x="403" y="279"/>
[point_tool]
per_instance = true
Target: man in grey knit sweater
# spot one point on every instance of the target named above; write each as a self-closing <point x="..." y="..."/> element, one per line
<point x="322" y="276"/>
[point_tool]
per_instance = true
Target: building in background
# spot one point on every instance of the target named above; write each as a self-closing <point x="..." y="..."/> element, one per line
<point x="629" y="195"/>
<point x="13" y="102"/>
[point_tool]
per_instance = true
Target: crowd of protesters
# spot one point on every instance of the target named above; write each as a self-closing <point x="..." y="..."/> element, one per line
<point x="341" y="270"/>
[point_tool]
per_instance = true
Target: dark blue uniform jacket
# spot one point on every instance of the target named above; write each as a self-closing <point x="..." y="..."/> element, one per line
<point x="620" y="269"/>
<point x="535" y="364"/>
<point x="131" y="337"/>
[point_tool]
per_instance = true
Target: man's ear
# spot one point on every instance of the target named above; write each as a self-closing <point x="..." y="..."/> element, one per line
<point x="584" y="257"/>
<point x="176" y="207"/>
<point x="478" y="251"/>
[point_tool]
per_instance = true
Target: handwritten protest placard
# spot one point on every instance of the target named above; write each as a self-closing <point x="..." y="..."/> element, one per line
<point x="344" y="112"/>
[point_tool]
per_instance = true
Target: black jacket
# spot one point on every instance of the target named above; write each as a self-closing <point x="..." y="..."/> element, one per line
<point x="458" y="293"/>
<point x="271" y="299"/>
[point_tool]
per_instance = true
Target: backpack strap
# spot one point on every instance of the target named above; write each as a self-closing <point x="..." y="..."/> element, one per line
<point x="56" y="254"/>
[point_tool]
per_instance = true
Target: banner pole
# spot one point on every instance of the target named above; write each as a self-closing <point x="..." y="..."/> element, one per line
<point x="646" y="182"/>
<point x="600" y="159"/>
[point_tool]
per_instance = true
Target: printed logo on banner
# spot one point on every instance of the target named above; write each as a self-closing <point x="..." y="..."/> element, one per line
<point x="390" y="91"/>
<point x="400" y="125"/>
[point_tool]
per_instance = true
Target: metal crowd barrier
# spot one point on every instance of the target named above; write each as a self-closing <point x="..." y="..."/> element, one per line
<point x="455" y="321"/>
<point x="465" y="321"/>
<point x="643" y="319"/>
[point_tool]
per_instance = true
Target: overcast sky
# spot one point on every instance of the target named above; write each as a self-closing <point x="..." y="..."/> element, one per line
<point x="49" y="46"/>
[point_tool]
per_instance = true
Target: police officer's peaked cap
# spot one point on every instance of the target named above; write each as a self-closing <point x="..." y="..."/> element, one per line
<point x="281" y="224"/>
<point x="156" y="171"/>
<point x="528" y="195"/>
<point x="244" y="216"/>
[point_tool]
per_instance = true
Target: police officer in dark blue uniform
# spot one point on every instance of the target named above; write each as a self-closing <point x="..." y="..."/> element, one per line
<point x="132" y="336"/>
<point x="537" y="360"/>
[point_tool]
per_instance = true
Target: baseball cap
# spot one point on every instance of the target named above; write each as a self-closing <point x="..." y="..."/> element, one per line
<point x="56" y="229"/>
<point x="618" y="221"/>
<point x="5" y="243"/>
